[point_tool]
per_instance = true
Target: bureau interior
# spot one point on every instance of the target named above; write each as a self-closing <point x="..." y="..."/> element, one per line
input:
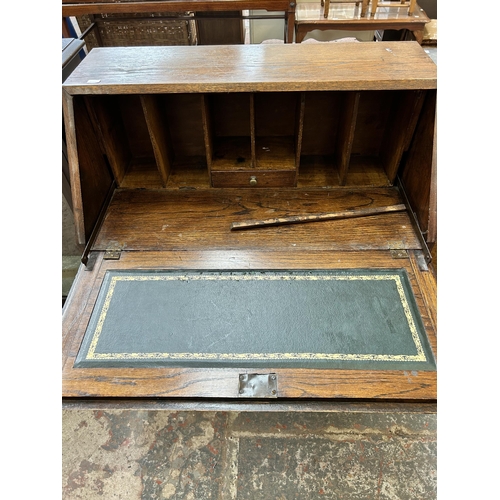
<point x="281" y="139"/>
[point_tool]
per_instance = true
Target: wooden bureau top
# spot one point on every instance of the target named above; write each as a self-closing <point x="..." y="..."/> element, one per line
<point x="254" y="68"/>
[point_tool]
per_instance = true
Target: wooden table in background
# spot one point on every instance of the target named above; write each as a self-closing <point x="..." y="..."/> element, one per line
<point x="166" y="7"/>
<point x="347" y="17"/>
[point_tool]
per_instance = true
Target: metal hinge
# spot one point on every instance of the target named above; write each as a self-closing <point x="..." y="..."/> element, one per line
<point x="112" y="254"/>
<point x="399" y="253"/>
<point x="98" y="224"/>
<point x="414" y="221"/>
<point x="256" y="385"/>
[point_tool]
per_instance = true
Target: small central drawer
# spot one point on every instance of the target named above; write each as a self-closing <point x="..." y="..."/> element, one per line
<point x="254" y="178"/>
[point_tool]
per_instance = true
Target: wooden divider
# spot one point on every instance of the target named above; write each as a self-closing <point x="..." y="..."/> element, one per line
<point x="256" y="135"/>
<point x="403" y="119"/>
<point x="345" y="135"/>
<point x="105" y="118"/>
<point x="299" y="133"/>
<point x="159" y="134"/>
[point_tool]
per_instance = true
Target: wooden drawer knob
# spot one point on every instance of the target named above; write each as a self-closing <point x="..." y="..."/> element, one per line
<point x="253" y="180"/>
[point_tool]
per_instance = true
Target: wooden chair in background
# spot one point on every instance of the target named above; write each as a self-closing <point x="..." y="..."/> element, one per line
<point x="375" y="4"/>
<point x="326" y="5"/>
<point x="387" y="3"/>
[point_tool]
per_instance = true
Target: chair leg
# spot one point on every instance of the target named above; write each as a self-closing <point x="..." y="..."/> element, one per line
<point x="327" y="8"/>
<point x="364" y="8"/>
<point x="412" y="7"/>
<point x="374" y="7"/>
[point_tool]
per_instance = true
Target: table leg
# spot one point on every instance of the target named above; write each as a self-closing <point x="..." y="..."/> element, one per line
<point x="419" y="36"/>
<point x="300" y="33"/>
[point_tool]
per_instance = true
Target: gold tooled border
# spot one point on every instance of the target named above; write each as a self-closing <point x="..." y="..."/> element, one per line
<point x="93" y="355"/>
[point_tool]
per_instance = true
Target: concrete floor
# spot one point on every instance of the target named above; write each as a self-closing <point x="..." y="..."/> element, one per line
<point x="226" y="455"/>
<point x="186" y="453"/>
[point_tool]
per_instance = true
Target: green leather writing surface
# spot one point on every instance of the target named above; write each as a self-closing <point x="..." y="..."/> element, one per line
<point x="360" y="319"/>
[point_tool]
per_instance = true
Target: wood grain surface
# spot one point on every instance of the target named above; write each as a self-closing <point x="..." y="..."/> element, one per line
<point x="419" y="175"/>
<point x="300" y="219"/>
<point x="253" y="68"/>
<point x="201" y="219"/>
<point x="223" y="383"/>
<point x="155" y="119"/>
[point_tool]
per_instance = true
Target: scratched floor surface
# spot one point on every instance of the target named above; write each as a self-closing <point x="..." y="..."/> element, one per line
<point x="158" y="454"/>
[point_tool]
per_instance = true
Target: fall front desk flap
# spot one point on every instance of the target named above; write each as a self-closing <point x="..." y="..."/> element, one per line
<point x="359" y="319"/>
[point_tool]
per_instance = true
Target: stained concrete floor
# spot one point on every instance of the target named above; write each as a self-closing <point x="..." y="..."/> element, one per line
<point x="190" y="454"/>
<point x="226" y="455"/>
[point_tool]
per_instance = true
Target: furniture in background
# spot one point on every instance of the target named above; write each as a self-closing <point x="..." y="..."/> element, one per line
<point x="430" y="34"/>
<point x="177" y="10"/>
<point x="411" y="4"/>
<point x="309" y="17"/>
<point x="326" y="5"/>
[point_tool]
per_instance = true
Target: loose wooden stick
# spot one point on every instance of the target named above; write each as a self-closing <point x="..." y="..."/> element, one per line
<point x="298" y="219"/>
